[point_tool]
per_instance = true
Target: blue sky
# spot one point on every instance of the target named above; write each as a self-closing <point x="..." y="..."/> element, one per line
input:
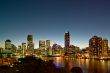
<point x="50" y="19"/>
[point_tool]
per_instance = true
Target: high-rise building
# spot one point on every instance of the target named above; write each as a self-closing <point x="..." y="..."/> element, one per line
<point x="23" y="49"/>
<point x="95" y="43"/>
<point x="8" y="45"/>
<point x="108" y="52"/>
<point x="47" y="43"/>
<point x="30" y="44"/>
<point x="41" y="44"/>
<point x="67" y="40"/>
<point x="56" y="49"/>
<point x="42" y="47"/>
<point x="48" y="48"/>
<point x="105" y="48"/>
<point x="98" y="46"/>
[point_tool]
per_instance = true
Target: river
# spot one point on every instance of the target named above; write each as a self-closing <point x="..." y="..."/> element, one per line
<point x="87" y="65"/>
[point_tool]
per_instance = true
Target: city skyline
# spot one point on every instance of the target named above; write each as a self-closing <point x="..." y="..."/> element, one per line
<point x="50" y="19"/>
<point x="36" y="44"/>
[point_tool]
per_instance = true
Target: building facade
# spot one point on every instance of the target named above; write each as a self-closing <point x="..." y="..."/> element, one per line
<point x="67" y="41"/>
<point x="105" y="47"/>
<point x="23" y="49"/>
<point x="30" y="44"/>
<point x="48" y="47"/>
<point x="98" y="46"/>
<point x="42" y="46"/>
<point x="8" y="45"/>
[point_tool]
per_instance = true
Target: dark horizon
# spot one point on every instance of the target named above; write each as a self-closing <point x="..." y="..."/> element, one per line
<point x="50" y="19"/>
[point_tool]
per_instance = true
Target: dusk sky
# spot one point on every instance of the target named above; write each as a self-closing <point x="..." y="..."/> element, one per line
<point x="50" y="19"/>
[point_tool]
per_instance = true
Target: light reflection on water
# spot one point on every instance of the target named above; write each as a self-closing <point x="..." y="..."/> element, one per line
<point x="87" y="65"/>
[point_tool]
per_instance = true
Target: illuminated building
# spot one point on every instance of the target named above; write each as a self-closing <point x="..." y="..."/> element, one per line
<point x="30" y="44"/>
<point x="73" y="48"/>
<point x="98" y="46"/>
<point x="85" y="53"/>
<point x="95" y="43"/>
<point x="47" y="43"/>
<point x="105" y="48"/>
<point x="48" y="48"/>
<point x="67" y="40"/>
<point x="23" y="49"/>
<point x="42" y="46"/>
<point x="56" y="49"/>
<point x="8" y="45"/>
<point x="108" y="52"/>
<point x="9" y="48"/>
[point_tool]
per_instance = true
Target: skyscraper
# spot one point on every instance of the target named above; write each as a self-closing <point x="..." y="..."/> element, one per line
<point x="95" y="43"/>
<point x="41" y="44"/>
<point x="30" y="44"/>
<point x="47" y="43"/>
<point x="67" y="40"/>
<point x="105" y="48"/>
<point x="48" y="47"/>
<point x="8" y="45"/>
<point x="23" y="49"/>
<point x="98" y="46"/>
<point x="42" y="47"/>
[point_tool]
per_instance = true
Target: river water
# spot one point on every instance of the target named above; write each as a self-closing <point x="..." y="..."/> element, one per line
<point x="87" y="65"/>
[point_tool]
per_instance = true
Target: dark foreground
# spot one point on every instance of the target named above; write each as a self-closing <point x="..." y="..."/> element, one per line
<point x="32" y="65"/>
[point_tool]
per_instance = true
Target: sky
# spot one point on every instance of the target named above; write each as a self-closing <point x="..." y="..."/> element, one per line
<point x="50" y="19"/>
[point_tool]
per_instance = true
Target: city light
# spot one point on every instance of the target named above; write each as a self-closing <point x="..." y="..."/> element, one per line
<point x="54" y="36"/>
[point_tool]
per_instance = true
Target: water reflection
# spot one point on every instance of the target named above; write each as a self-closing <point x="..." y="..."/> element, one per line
<point x="87" y="65"/>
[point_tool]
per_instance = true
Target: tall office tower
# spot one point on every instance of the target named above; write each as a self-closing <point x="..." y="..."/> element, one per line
<point x="8" y="45"/>
<point x="105" y="48"/>
<point x="48" y="48"/>
<point x="30" y="44"/>
<point x="47" y="43"/>
<point x="98" y="46"/>
<point x="23" y="49"/>
<point x="67" y="40"/>
<point x="95" y="43"/>
<point x="42" y="46"/>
